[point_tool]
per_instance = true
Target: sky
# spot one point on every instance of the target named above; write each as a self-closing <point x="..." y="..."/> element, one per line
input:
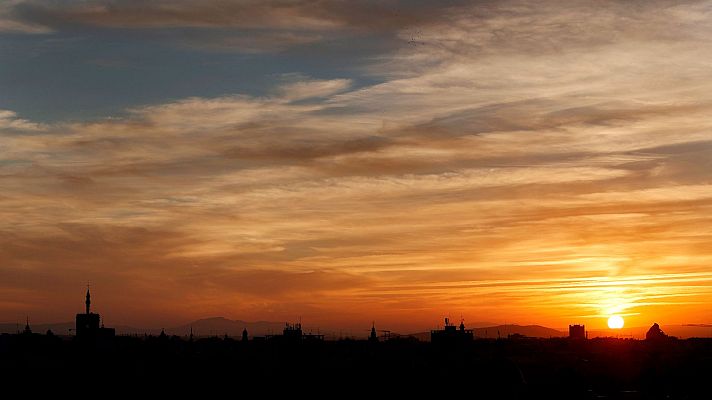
<point x="345" y="162"/>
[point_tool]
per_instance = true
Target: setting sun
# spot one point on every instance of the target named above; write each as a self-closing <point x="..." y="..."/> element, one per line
<point x="615" y="322"/>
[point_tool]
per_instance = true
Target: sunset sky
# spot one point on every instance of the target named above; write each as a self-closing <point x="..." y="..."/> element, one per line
<point x="531" y="162"/>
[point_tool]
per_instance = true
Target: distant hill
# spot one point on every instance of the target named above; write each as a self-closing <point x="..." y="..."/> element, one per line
<point x="505" y="330"/>
<point x="203" y="327"/>
<point x="59" y="328"/>
<point x="67" y="328"/>
<point x="525" y="330"/>
<point x="638" y="332"/>
<point x="478" y="324"/>
<point x="218" y="326"/>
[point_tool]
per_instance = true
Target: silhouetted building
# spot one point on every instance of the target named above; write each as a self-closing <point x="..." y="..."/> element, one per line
<point x="293" y="333"/>
<point x="373" y="337"/>
<point x="518" y="336"/>
<point x="655" y="333"/>
<point x="452" y="334"/>
<point x="88" y="324"/>
<point x="27" y="330"/>
<point x="577" y="332"/>
<point x="244" y="335"/>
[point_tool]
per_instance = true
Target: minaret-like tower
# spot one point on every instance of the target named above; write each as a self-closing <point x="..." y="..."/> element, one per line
<point x="88" y="300"/>
<point x="27" y="326"/>
<point x="89" y="324"/>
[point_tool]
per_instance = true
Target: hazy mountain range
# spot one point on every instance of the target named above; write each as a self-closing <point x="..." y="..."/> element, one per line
<point x="219" y="326"/>
<point x="503" y="331"/>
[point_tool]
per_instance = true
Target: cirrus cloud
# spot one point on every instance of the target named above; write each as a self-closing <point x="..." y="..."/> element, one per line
<point x="587" y="126"/>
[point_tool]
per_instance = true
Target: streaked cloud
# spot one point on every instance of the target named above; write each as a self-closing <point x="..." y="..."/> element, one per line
<point x="10" y="24"/>
<point x="291" y="15"/>
<point x="11" y="122"/>
<point x="227" y="25"/>
<point x="552" y="159"/>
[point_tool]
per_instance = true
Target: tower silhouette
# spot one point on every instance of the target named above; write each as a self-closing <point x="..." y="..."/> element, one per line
<point x="27" y="330"/>
<point x="89" y="324"/>
<point x="88" y="300"/>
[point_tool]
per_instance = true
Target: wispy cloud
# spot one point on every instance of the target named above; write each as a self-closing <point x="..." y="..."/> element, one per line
<point x="551" y="159"/>
<point x="9" y="121"/>
<point x="226" y="25"/>
<point x="9" y="23"/>
<point x="302" y="15"/>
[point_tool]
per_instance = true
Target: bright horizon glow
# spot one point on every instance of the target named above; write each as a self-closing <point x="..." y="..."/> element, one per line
<point x="615" y="322"/>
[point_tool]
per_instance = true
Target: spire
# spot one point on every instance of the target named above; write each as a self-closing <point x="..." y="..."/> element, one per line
<point x="88" y="301"/>
<point x="27" y="326"/>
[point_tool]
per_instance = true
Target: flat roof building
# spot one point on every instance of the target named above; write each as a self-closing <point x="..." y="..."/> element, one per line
<point x="577" y="332"/>
<point x="452" y="334"/>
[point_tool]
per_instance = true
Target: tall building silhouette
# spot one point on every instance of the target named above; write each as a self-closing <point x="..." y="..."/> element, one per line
<point x="27" y="330"/>
<point x="577" y="331"/>
<point x="88" y="325"/>
<point x="373" y="337"/>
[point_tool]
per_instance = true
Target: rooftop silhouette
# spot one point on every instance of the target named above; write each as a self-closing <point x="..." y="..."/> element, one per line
<point x="450" y="334"/>
<point x="577" y="332"/>
<point x="512" y="367"/>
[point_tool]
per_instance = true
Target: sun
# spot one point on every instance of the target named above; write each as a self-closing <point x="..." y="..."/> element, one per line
<point x="615" y="322"/>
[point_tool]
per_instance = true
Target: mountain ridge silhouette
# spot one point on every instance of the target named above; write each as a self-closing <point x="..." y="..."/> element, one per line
<point x="219" y="326"/>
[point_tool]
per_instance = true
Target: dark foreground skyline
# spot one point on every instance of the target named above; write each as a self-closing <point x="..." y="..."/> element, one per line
<point x="513" y="367"/>
<point x="454" y="358"/>
<point x="220" y="326"/>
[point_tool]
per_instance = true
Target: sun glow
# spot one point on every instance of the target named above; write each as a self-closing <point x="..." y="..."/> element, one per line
<point x="615" y="322"/>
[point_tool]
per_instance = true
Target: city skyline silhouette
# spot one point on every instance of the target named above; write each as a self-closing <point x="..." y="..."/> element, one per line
<point x="368" y="198"/>
<point x="513" y="366"/>
<point x="92" y="323"/>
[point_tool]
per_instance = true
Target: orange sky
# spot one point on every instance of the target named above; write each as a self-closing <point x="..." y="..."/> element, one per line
<point x="548" y="164"/>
